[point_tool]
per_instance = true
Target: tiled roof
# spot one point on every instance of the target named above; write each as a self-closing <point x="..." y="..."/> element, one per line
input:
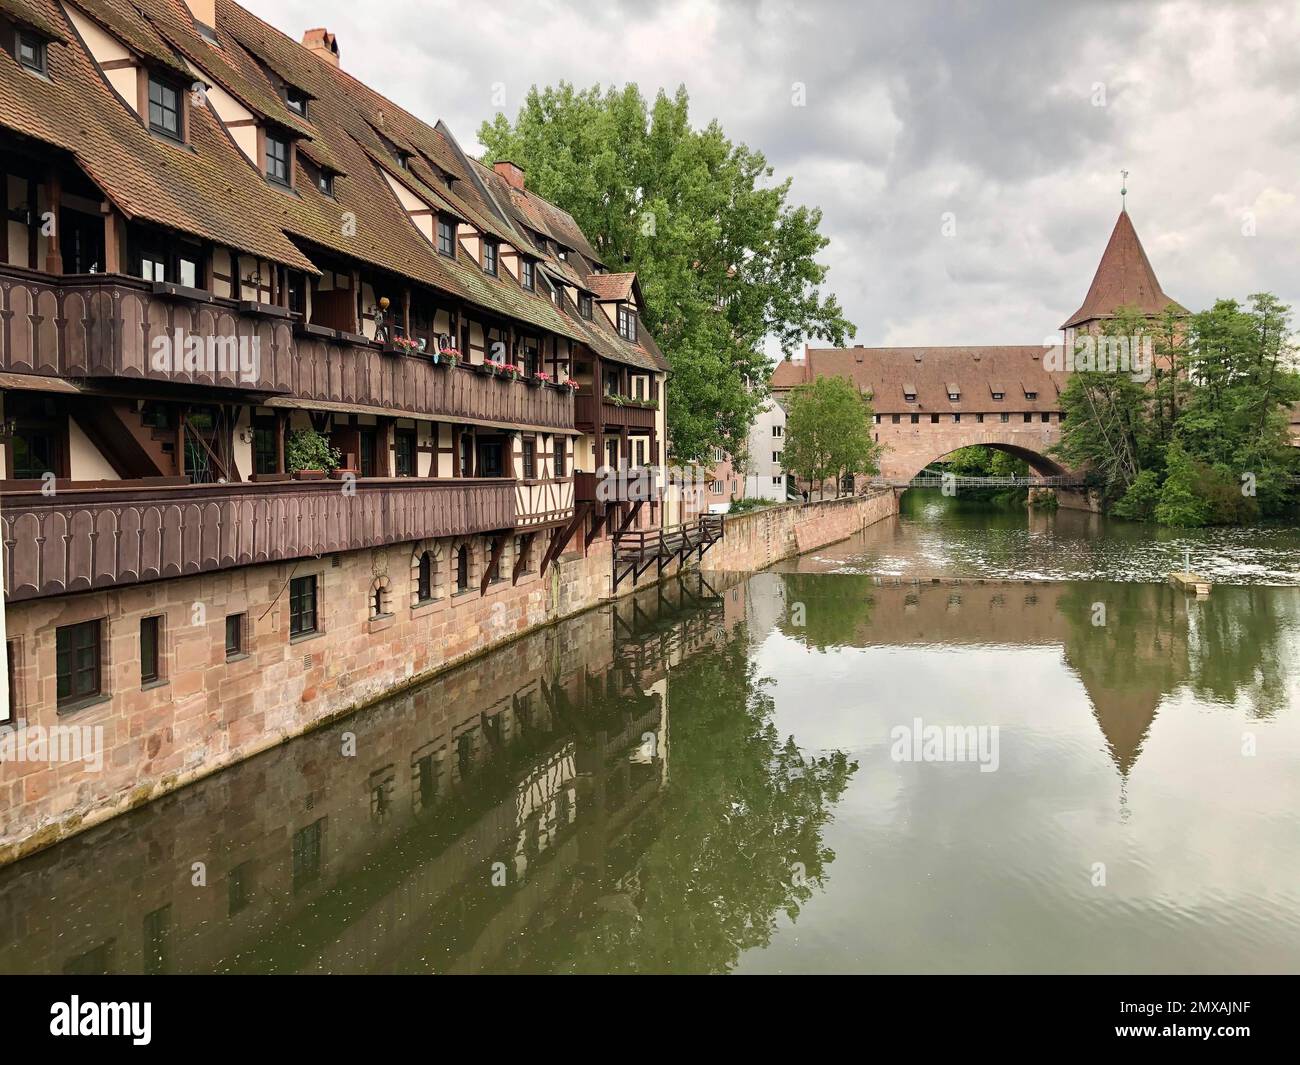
<point x="209" y="189"/>
<point x="27" y="14"/>
<point x="612" y="286"/>
<point x="931" y="373"/>
<point x="528" y="214"/>
<point x="1124" y="278"/>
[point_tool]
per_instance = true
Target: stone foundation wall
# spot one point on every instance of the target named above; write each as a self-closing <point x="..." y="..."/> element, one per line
<point x="207" y="711"/>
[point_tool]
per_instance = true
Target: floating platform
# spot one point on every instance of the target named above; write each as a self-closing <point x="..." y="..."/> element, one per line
<point x="1190" y="582"/>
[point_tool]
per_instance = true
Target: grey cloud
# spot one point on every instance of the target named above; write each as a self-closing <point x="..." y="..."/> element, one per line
<point x="914" y="109"/>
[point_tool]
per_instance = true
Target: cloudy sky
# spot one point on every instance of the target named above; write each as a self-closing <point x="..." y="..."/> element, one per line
<point x="1012" y="121"/>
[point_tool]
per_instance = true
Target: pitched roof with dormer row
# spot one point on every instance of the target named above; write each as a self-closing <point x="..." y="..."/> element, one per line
<point x="208" y="188"/>
<point x="932" y="375"/>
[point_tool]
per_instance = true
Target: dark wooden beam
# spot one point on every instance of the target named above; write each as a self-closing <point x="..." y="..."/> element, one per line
<point x="629" y="517"/>
<point x="498" y="542"/>
<point x="525" y="547"/>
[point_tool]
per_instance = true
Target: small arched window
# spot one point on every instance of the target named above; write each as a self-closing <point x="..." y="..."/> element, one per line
<point x="424" y="583"/>
<point x="462" y="568"/>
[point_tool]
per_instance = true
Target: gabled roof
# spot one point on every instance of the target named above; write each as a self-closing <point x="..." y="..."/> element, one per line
<point x="609" y="287"/>
<point x="209" y="189"/>
<point x="1124" y="278"/>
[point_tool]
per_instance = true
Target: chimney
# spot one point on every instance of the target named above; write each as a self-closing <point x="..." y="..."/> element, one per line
<point x="513" y="174"/>
<point x="204" y="12"/>
<point x="320" y="41"/>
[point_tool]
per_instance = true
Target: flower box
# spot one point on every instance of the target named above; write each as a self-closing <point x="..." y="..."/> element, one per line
<point x="309" y="475"/>
<point x="403" y="346"/>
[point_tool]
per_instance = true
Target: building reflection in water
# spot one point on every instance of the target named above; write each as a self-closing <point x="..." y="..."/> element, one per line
<point x="539" y="810"/>
<point x="1148" y="641"/>
<point x="472" y="807"/>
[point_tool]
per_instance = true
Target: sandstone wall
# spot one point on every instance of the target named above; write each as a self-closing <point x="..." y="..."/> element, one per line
<point x="207" y="711"/>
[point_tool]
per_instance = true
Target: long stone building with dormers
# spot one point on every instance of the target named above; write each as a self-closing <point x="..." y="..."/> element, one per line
<point x="299" y="401"/>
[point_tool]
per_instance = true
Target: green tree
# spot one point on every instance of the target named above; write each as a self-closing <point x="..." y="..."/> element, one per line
<point x="1236" y="419"/>
<point x="1106" y="413"/>
<point x="828" y="432"/>
<point x="1181" y="503"/>
<point x="724" y="261"/>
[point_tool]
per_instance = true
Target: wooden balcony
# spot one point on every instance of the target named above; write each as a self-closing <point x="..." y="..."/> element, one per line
<point x="85" y="538"/>
<point x="112" y="330"/>
<point x="592" y="417"/>
<point x="636" y="483"/>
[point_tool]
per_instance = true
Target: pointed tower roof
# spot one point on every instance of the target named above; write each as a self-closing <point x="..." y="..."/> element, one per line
<point x="1124" y="278"/>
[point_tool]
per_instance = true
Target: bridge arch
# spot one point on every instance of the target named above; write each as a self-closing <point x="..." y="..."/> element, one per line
<point x="908" y="457"/>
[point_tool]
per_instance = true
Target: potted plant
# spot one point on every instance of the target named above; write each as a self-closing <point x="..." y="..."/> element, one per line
<point x="309" y="456"/>
<point x="541" y="377"/>
<point x="570" y="384"/>
<point x="405" y="345"/>
<point x="446" y="356"/>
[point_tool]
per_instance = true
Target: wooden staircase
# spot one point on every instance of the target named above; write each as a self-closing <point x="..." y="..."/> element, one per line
<point x="636" y="550"/>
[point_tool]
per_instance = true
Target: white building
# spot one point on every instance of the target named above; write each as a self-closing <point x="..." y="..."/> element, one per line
<point x="765" y="472"/>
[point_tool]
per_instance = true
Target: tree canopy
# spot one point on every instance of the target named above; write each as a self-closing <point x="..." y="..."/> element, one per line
<point x="828" y="431"/>
<point x="723" y="259"/>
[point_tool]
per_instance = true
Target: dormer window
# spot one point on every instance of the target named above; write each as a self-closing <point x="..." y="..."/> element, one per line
<point x="954" y="396"/>
<point x="490" y="252"/>
<point x="447" y="238"/>
<point x="998" y="395"/>
<point x="626" y="322"/>
<point x="296" y="100"/>
<point x="1031" y="395"/>
<point x="909" y="393"/>
<point x="164" y="109"/>
<point x="526" y="274"/>
<point x="277" y="160"/>
<point x="584" y="305"/>
<point x="31" y="52"/>
<point x="403" y="159"/>
<point x="325" y="182"/>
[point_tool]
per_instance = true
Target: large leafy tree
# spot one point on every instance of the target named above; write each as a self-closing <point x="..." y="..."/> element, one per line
<point x="724" y="260"/>
<point x="1107" y="422"/>
<point x="828" y="431"/>
<point x="1235" y="422"/>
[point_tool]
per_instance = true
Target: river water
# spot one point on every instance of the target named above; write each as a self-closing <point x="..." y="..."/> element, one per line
<point x="734" y="773"/>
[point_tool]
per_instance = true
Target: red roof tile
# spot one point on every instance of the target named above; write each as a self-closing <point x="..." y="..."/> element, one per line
<point x="1124" y="278"/>
<point x="887" y="374"/>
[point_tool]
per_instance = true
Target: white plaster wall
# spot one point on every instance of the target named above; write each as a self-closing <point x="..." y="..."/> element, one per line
<point x="85" y="463"/>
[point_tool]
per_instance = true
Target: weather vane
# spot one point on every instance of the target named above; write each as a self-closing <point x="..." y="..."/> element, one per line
<point x="1123" y="189"/>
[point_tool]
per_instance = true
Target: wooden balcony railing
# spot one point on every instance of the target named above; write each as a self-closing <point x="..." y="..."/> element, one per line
<point x="111" y="327"/>
<point x="629" y="485"/>
<point x="592" y="416"/>
<point x="81" y="539"/>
